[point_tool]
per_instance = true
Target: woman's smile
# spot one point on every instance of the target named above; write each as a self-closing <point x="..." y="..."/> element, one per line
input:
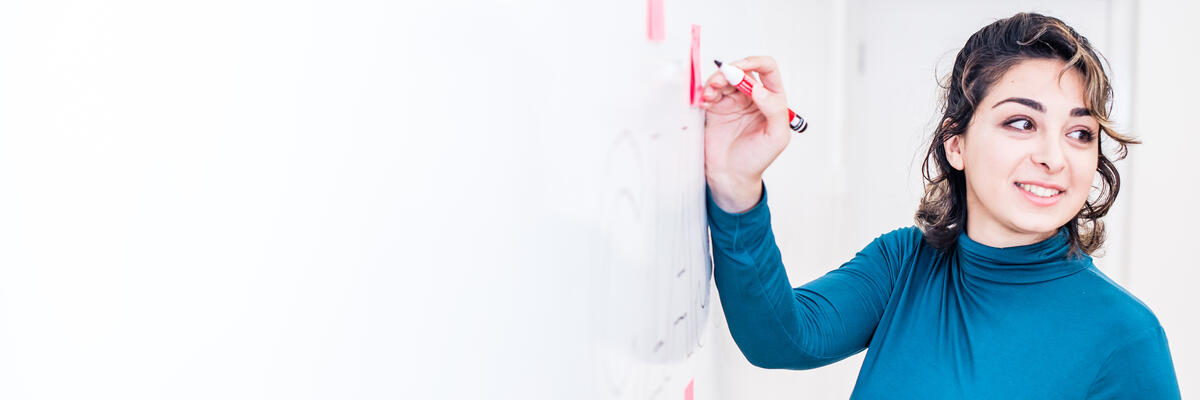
<point x="1039" y="195"/>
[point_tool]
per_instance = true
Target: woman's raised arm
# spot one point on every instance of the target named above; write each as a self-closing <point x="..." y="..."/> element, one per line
<point x="775" y="325"/>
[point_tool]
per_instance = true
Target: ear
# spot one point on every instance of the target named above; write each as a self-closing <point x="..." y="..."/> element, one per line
<point x="954" y="151"/>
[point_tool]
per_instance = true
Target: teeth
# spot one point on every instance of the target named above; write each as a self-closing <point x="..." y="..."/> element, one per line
<point x="1038" y="190"/>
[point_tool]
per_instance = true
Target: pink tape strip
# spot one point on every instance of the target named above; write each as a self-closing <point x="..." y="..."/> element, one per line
<point x="689" y="391"/>
<point x="655" y="30"/>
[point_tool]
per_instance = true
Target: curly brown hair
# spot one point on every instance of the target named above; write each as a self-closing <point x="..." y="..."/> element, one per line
<point x="986" y="56"/>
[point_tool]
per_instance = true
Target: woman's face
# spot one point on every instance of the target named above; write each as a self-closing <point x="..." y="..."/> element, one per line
<point x="1029" y="155"/>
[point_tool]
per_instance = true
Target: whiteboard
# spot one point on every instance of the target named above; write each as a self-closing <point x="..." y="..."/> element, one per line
<point x="363" y="199"/>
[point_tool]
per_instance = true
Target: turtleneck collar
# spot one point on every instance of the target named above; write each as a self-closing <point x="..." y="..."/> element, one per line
<point x="1031" y="263"/>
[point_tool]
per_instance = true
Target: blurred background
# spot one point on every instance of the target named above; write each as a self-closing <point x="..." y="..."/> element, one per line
<point x="485" y="199"/>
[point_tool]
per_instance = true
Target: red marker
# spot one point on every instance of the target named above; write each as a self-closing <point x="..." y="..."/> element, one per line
<point x="735" y="74"/>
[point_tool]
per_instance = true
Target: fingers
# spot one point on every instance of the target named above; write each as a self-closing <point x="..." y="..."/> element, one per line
<point x="717" y="82"/>
<point x="773" y="106"/>
<point x="715" y="89"/>
<point x="768" y="71"/>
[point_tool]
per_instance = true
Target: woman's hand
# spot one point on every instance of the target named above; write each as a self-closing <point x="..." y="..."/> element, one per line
<point x="743" y="135"/>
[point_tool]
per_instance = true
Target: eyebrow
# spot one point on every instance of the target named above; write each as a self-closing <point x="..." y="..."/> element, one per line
<point x="1075" y="112"/>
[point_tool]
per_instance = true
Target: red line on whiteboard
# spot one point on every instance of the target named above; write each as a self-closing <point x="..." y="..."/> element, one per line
<point x="697" y="85"/>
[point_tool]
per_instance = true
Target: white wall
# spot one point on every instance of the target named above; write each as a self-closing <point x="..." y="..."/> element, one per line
<point x="1161" y="183"/>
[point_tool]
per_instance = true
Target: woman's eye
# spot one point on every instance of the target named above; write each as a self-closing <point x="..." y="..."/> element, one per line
<point x="1082" y="135"/>
<point x="1022" y="124"/>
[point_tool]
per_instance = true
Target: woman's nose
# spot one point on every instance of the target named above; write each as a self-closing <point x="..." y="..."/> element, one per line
<point x="1049" y="155"/>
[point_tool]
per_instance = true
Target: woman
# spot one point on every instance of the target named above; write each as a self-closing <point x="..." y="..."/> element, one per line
<point x="993" y="293"/>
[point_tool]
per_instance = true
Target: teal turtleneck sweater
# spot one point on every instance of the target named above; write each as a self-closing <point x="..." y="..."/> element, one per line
<point x="974" y="322"/>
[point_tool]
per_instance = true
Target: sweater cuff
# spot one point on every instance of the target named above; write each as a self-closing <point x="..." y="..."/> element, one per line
<point x="728" y="229"/>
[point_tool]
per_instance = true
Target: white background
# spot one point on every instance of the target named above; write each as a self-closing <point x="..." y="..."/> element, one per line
<point x="377" y="199"/>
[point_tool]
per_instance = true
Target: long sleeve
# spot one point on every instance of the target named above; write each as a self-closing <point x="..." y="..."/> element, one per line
<point x="819" y="323"/>
<point x="1141" y="368"/>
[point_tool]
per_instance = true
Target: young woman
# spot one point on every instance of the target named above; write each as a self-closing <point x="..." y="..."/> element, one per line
<point x="993" y="293"/>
